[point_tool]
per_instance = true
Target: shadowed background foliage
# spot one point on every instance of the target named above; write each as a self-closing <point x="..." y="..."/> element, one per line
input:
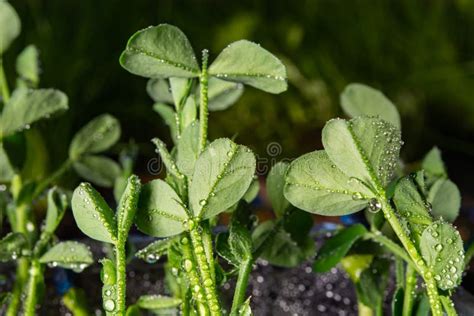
<point x="420" y="53"/>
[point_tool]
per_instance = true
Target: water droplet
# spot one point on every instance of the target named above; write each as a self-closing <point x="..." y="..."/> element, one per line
<point x="151" y="258"/>
<point x="203" y="202"/>
<point x="357" y="196"/>
<point x="109" y="305"/>
<point x="374" y="205"/>
<point x="188" y="265"/>
<point x="438" y="247"/>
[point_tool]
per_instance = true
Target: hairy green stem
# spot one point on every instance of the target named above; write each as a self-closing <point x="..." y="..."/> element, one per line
<point x="431" y="286"/>
<point x="31" y="295"/>
<point x="390" y="245"/>
<point x="204" y="270"/>
<point x="189" y="266"/>
<point x="410" y="284"/>
<point x="121" y="262"/>
<point x="399" y="272"/>
<point x="4" y="84"/>
<point x="241" y="286"/>
<point x="207" y="240"/>
<point x="203" y="106"/>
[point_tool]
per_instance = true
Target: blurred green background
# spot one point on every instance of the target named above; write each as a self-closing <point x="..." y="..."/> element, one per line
<point x="420" y="53"/>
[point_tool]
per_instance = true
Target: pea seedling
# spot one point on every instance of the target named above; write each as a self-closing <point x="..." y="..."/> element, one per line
<point x="25" y="178"/>
<point x="410" y="216"/>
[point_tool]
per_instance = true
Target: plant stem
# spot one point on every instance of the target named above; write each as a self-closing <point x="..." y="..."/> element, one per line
<point x="53" y="177"/>
<point x="431" y="286"/>
<point x="207" y="240"/>
<point x="31" y="297"/>
<point x="203" y="110"/>
<point x="121" y="262"/>
<point x="241" y="286"/>
<point x="189" y="266"/>
<point x="410" y="283"/>
<point x="399" y="272"/>
<point x="21" y="276"/>
<point x="364" y="310"/>
<point x="4" y="84"/>
<point x="204" y="271"/>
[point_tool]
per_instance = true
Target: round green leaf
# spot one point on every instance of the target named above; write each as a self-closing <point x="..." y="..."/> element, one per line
<point x="11" y="246"/>
<point x="96" y="136"/>
<point x="222" y="175"/>
<point x="358" y="100"/>
<point x="10" y="25"/>
<point x="69" y="255"/>
<point x="159" y="90"/>
<point x="337" y="247"/>
<point x="160" y="52"/>
<point x="366" y="148"/>
<point x="275" y="186"/>
<point x="223" y="94"/>
<point x="442" y="249"/>
<point x="433" y="163"/>
<point x="92" y="214"/>
<point x="316" y="185"/>
<point x="445" y="199"/>
<point x="161" y="213"/>
<point x="27" y="65"/>
<point x="99" y="170"/>
<point x="29" y="106"/>
<point x="250" y="64"/>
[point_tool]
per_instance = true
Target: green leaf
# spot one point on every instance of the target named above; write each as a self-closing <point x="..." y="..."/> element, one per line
<point x="445" y="199"/>
<point x="275" y="186"/>
<point x="250" y="64"/>
<point x="108" y="273"/>
<point x="442" y="249"/>
<point x="10" y="25"/>
<point x="221" y="177"/>
<point x="169" y="117"/>
<point x="316" y="185"/>
<point x="160" y="52"/>
<point x="365" y="148"/>
<point x="133" y="310"/>
<point x="11" y="246"/>
<point x="337" y="247"/>
<point x="373" y="282"/>
<point x="161" y="213"/>
<point x="6" y="169"/>
<point x="155" y="250"/>
<point x="180" y="89"/>
<point x="57" y="204"/>
<point x="27" y="65"/>
<point x="69" y="255"/>
<point x="156" y="302"/>
<point x="96" y="136"/>
<point x="188" y="113"/>
<point x="433" y="163"/>
<point x="359" y="100"/>
<point x="423" y="307"/>
<point x="281" y="250"/>
<point x="92" y="214"/>
<point x="240" y="242"/>
<point x="159" y="90"/>
<point x="397" y="302"/>
<point x="224" y="250"/>
<point x="166" y="158"/>
<point x="244" y="309"/>
<point x="188" y="149"/>
<point x="4" y="298"/>
<point x="29" y="106"/>
<point x="410" y="204"/>
<point x="127" y="207"/>
<point x="252" y="191"/>
<point x="223" y="94"/>
<point x="99" y="170"/>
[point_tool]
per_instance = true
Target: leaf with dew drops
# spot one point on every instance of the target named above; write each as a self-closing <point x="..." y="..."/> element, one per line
<point x="69" y="255"/>
<point x="442" y="249"/>
<point x="245" y="309"/>
<point x="127" y="207"/>
<point x="161" y="213"/>
<point x="240" y="242"/>
<point x="98" y="169"/>
<point x="188" y="149"/>
<point x="410" y="204"/>
<point x="92" y="214"/>
<point x="155" y="250"/>
<point x="10" y="25"/>
<point x="27" y="106"/>
<point x="11" y="246"/>
<point x="358" y="100"/>
<point x="223" y="94"/>
<point x="161" y="51"/>
<point x="316" y="185"/>
<point x="365" y="148"/>
<point x="433" y="164"/>
<point x="222" y="175"/>
<point x="248" y="63"/>
<point x="96" y="136"/>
